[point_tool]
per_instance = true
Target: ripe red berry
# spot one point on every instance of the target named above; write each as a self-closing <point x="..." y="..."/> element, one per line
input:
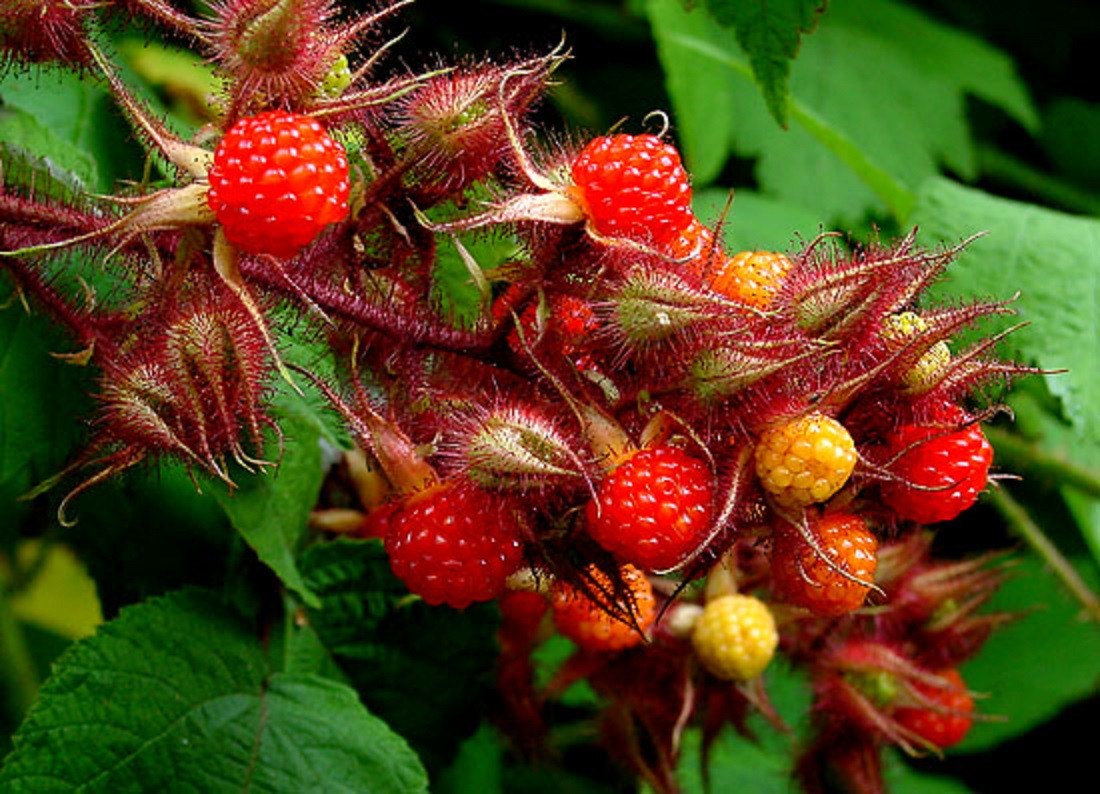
<point x="827" y="587"/>
<point x="277" y="180"/>
<point x="454" y="544"/>
<point x="633" y="186"/>
<point x="566" y="322"/>
<point x="939" y="472"/>
<point x="653" y="508"/>
<point x="947" y="719"/>
<point x="599" y="627"/>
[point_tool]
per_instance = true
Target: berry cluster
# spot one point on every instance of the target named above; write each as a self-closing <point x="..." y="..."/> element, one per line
<point x="629" y="410"/>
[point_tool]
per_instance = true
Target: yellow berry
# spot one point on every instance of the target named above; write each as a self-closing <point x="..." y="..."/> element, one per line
<point x="752" y="277"/>
<point x="929" y="368"/>
<point x="735" y="637"/>
<point x="805" y="460"/>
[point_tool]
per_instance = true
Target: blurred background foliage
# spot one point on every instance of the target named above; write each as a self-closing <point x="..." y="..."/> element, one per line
<point x="866" y="116"/>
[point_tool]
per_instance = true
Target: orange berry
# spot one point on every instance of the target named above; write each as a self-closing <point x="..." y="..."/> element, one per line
<point x="594" y="626"/>
<point x="752" y="277"/>
<point x="832" y="580"/>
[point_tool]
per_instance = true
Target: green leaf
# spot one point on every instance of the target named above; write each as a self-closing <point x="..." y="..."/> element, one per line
<point x="175" y="695"/>
<point x="756" y="222"/>
<point x="479" y="765"/>
<point x="33" y="156"/>
<point x="77" y="111"/>
<point x="455" y="279"/>
<point x="872" y="116"/>
<point x="943" y="54"/>
<point x="40" y="411"/>
<point x="271" y="509"/>
<point x="1053" y="259"/>
<point x="1035" y="666"/>
<point x="425" y="670"/>
<point x="770" y="31"/>
<point x="762" y="764"/>
<point x="1071" y="138"/>
<point x="903" y="779"/>
<point x="818" y="162"/>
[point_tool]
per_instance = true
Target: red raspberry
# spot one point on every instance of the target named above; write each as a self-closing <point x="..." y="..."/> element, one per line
<point x="946" y="720"/>
<point x="940" y="472"/>
<point x="654" y="508"/>
<point x="803" y="578"/>
<point x="277" y="180"/>
<point x="633" y="186"/>
<point x="454" y="544"/>
<point x="596" y="628"/>
<point x="569" y="323"/>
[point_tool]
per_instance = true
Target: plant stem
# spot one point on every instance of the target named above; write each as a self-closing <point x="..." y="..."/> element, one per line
<point x="17" y="670"/>
<point x="1027" y="530"/>
<point x="1030" y="457"/>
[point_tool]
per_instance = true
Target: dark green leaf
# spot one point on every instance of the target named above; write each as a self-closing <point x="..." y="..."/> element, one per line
<point x="425" y="670"/>
<point x="1071" y="139"/>
<point x="148" y="532"/>
<point x="271" y="509"/>
<point x="40" y="411"/>
<point x="872" y="118"/>
<point x="770" y="31"/>
<point x="478" y="766"/>
<point x="175" y="695"/>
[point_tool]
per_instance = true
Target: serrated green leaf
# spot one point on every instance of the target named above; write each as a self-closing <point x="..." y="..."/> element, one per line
<point x="33" y="156"/>
<point x="175" y="695"/>
<point x="943" y="53"/>
<point x="1034" y="667"/>
<point x="78" y="111"/>
<point x="871" y="119"/>
<point x="1052" y="259"/>
<point x="818" y="162"/>
<point x="770" y="32"/>
<point x="397" y="650"/>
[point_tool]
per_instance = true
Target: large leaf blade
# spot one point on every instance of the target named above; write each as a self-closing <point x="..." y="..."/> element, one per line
<point x="176" y="695"/>
<point x="770" y="31"/>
